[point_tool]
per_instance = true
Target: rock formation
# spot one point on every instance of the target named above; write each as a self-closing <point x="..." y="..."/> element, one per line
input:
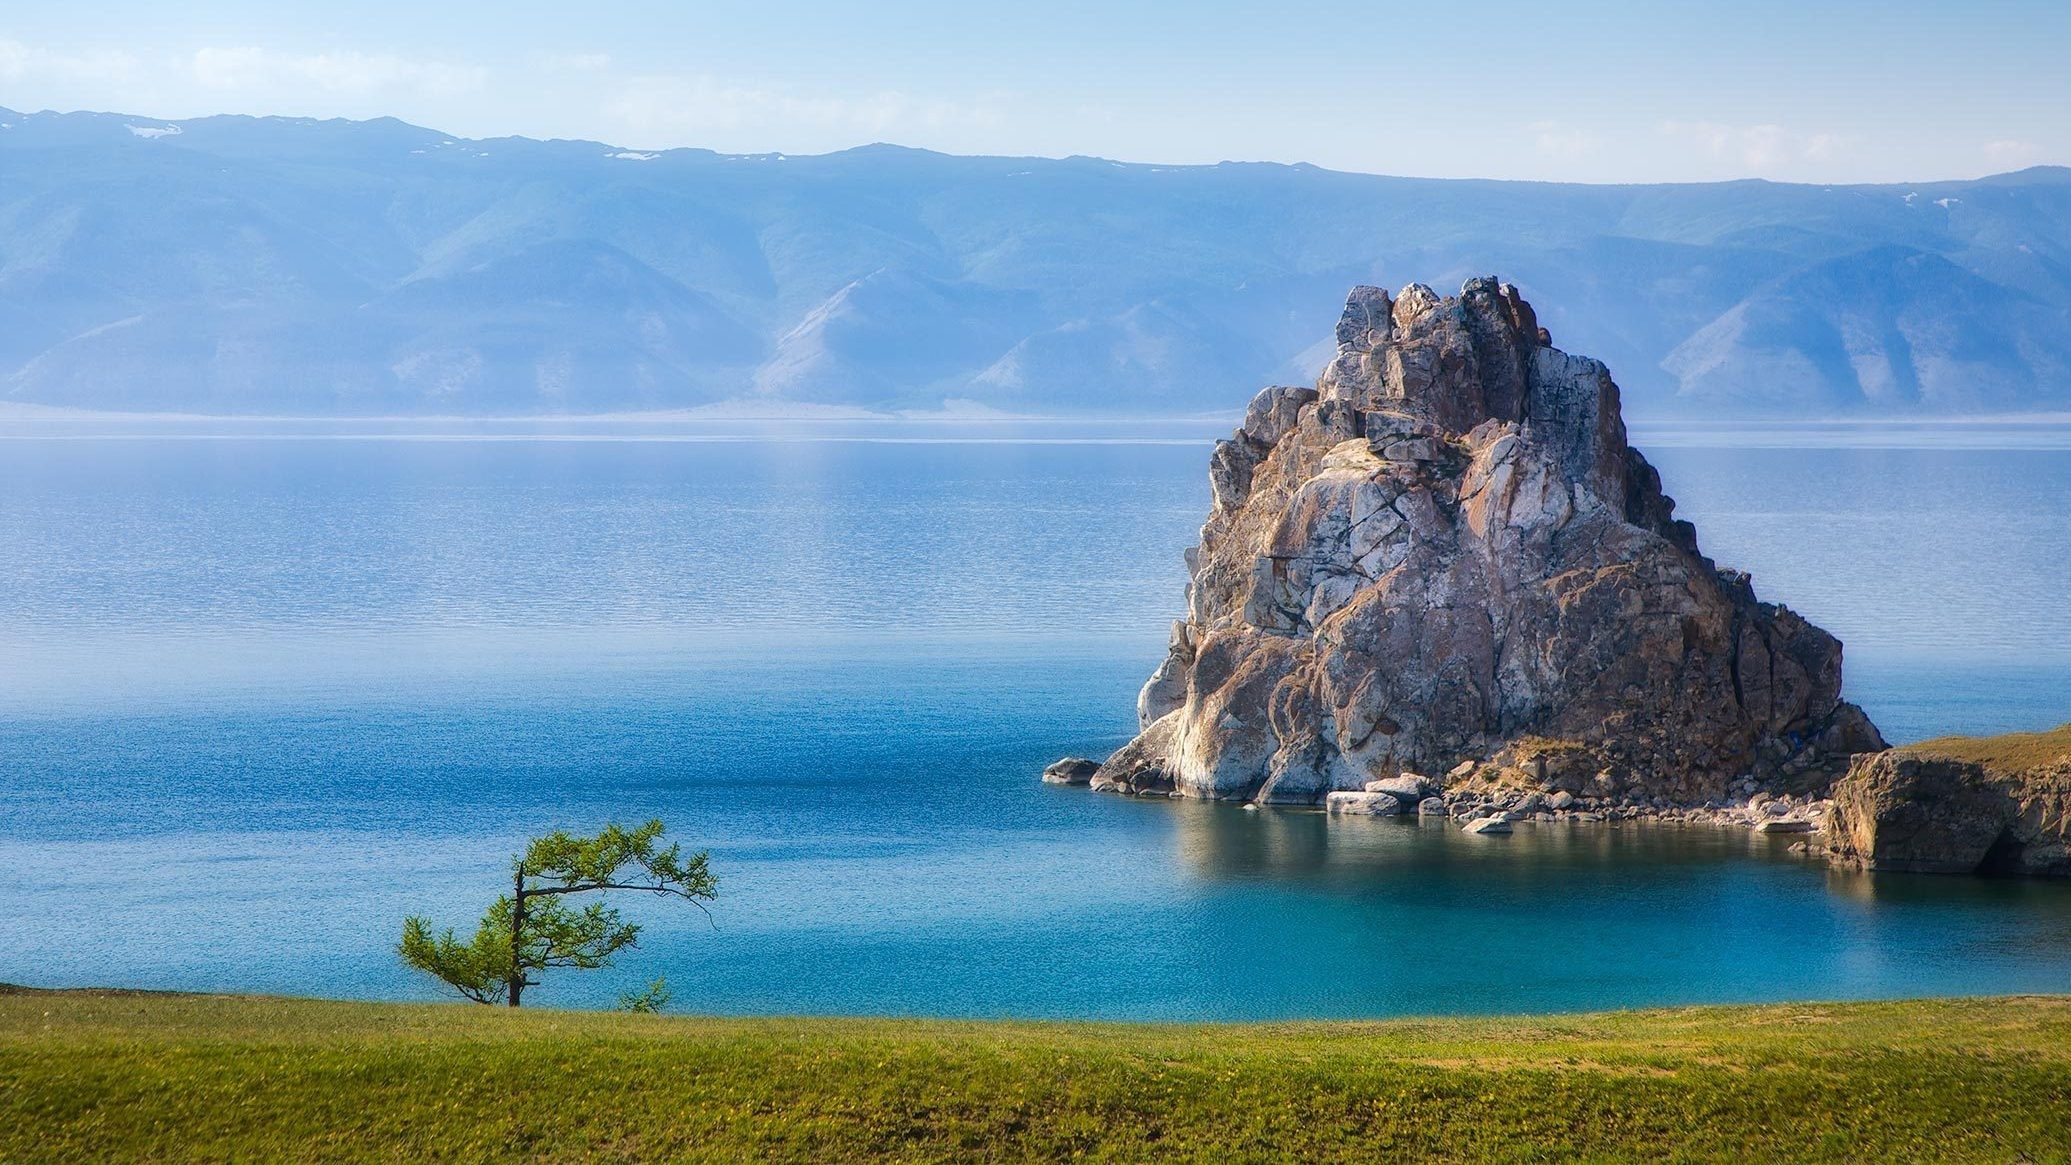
<point x="1445" y="559"/>
<point x="1996" y="805"/>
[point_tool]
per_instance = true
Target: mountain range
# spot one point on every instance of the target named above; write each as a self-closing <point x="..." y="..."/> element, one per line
<point x="248" y="265"/>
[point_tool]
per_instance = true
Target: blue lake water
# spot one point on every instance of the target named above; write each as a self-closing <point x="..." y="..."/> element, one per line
<point x="263" y="694"/>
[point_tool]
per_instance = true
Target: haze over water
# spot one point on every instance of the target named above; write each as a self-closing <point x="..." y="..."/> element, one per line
<point x="263" y="694"/>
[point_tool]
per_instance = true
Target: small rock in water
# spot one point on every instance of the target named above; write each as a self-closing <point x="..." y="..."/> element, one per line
<point x="1072" y="770"/>
<point x="1487" y="825"/>
<point x="1362" y="804"/>
<point x="1784" y="825"/>
<point x="1431" y="807"/>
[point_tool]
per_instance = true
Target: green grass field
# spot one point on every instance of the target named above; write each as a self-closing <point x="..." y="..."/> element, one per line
<point x="118" y="1076"/>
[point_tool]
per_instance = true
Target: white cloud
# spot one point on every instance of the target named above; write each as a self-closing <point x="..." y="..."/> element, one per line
<point x="1554" y="139"/>
<point x="2012" y="154"/>
<point x="1761" y="149"/>
<point x="1822" y="147"/>
<point x="248" y="67"/>
<point x="578" y="62"/>
<point x="669" y="105"/>
<point x="20" y="62"/>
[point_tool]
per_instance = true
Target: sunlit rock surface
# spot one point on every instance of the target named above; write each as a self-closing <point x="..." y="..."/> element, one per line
<point x="1994" y="805"/>
<point x="1445" y="559"/>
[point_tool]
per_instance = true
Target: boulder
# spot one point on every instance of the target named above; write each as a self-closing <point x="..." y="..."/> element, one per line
<point x="1072" y="770"/>
<point x="1142" y="765"/>
<point x="1783" y="825"/>
<point x="1363" y="804"/>
<point x="1446" y="558"/>
<point x="1409" y="787"/>
<point x="1487" y="825"/>
<point x="1958" y="805"/>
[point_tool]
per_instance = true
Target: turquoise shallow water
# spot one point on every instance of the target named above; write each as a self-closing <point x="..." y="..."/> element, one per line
<point x="259" y="698"/>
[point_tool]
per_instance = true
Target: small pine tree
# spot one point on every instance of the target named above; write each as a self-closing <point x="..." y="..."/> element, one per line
<point x="534" y="929"/>
<point x="649" y="1000"/>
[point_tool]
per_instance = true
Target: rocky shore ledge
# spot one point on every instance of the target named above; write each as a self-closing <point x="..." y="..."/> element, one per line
<point x="1446" y="559"/>
<point x="1475" y="800"/>
<point x="1997" y="805"/>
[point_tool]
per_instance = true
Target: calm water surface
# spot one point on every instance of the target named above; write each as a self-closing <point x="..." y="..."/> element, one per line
<point x="260" y="697"/>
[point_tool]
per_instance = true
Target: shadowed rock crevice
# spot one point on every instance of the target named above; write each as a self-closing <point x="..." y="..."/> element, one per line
<point x="1447" y="547"/>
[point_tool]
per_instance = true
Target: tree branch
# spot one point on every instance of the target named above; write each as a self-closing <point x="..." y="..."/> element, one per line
<point x="595" y="886"/>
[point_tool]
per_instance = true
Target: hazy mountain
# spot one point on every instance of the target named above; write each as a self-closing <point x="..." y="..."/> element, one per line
<point x="295" y="266"/>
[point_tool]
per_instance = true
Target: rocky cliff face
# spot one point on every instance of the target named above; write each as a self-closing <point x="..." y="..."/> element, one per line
<point x="1995" y="805"/>
<point x="1445" y="559"/>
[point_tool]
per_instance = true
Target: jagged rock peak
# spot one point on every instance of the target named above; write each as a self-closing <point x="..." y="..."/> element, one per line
<point x="1446" y="551"/>
<point x="1456" y="361"/>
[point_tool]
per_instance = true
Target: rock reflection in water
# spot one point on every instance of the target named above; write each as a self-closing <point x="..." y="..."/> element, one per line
<point x="1220" y="842"/>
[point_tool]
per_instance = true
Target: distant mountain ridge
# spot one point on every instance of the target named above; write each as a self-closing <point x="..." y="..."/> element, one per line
<point x="291" y="266"/>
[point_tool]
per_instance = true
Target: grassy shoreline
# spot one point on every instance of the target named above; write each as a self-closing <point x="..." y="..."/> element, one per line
<point x="102" y="1075"/>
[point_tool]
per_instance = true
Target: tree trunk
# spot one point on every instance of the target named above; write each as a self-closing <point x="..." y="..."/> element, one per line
<point x="517" y="980"/>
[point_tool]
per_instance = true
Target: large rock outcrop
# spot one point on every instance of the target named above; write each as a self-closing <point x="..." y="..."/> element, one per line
<point x="1994" y="805"/>
<point x="1445" y="559"/>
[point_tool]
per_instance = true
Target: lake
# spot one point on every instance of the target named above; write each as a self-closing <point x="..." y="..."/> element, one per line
<point x="264" y="690"/>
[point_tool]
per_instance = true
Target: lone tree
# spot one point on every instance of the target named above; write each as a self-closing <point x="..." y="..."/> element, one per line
<point x="533" y="929"/>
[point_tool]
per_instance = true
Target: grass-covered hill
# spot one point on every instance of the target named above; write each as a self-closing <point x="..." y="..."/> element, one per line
<point x="2010" y="752"/>
<point x="109" y="1076"/>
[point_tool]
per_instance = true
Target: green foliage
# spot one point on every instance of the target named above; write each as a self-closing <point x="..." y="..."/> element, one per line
<point x="532" y="929"/>
<point x="563" y="863"/>
<point x="650" y="1001"/>
<point x="479" y="969"/>
<point x="95" y="1076"/>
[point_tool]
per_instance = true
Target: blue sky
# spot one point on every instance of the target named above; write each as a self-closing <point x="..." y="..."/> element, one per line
<point x="1594" y="91"/>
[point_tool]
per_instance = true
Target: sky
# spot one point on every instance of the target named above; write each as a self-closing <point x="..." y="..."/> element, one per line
<point x="1901" y="90"/>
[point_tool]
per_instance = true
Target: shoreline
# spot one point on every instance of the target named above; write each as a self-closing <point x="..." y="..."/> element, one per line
<point x="1756" y="808"/>
<point x="14" y="993"/>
